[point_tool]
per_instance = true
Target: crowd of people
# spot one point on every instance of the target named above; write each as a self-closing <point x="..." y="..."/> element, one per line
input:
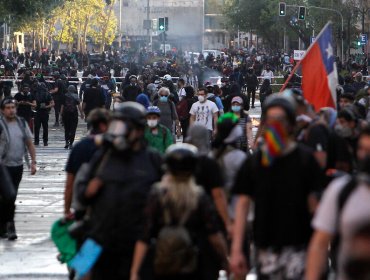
<point x="172" y="183"/>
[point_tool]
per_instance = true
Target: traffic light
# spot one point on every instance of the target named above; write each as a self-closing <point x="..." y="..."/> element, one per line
<point x="302" y="13"/>
<point x="358" y="42"/>
<point x="161" y="24"/>
<point x="166" y="23"/>
<point x="282" y="9"/>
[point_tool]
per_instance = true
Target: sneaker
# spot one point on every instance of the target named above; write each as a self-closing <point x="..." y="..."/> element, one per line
<point x="66" y="146"/>
<point x="46" y="144"/>
<point x="36" y="143"/>
<point x="10" y="228"/>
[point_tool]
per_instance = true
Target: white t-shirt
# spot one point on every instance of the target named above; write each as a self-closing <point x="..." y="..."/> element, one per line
<point x="16" y="148"/>
<point x="181" y="93"/>
<point x="355" y="212"/>
<point x="203" y="113"/>
<point x="269" y="75"/>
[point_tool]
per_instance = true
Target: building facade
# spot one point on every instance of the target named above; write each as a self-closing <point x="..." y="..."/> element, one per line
<point x="193" y="25"/>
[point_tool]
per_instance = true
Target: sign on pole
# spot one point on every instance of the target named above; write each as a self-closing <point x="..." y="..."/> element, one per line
<point x="155" y="24"/>
<point x="298" y="54"/>
<point x="312" y="39"/>
<point x="363" y="39"/>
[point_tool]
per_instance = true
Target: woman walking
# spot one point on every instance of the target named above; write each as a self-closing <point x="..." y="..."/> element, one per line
<point x="179" y="216"/>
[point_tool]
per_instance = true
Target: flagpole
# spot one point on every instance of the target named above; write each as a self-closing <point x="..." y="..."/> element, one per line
<point x="299" y="62"/>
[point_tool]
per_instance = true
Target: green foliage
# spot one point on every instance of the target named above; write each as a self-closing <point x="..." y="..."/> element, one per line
<point x="262" y="17"/>
<point x="77" y="20"/>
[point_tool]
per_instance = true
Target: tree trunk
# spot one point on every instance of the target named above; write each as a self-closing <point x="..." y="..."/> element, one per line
<point x="79" y="37"/>
<point x="87" y="19"/>
<point x="105" y="27"/>
<point x="33" y="39"/>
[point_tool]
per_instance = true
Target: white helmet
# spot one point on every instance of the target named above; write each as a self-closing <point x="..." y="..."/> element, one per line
<point x="2" y="66"/>
<point x="167" y="77"/>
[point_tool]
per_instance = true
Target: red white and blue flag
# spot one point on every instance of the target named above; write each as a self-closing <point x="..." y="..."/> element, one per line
<point x="319" y="71"/>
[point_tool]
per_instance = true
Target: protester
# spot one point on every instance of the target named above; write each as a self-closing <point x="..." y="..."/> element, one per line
<point x="281" y="179"/>
<point x="131" y="91"/>
<point x="83" y="151"/>
<point x="344" y="207"/>
<point x="245" y="141"/>
<point x="69" y="112"/>
<point x="168" y="116"/>
<point x="26" y="102"/>
<point x="204" y="112"/>
<point x="183" y="109"/>
<point x="44" y="103"/>
<point x="157" y="135"/>
<point x="116" y="211"/>
<point x="178" y="203"/>
<point x="93" y="98"/>
<point x="15" y="145"/>
<point x="60" y="88"/>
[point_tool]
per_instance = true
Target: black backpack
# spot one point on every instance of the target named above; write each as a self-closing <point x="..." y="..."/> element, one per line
<point x="70" y="104"/>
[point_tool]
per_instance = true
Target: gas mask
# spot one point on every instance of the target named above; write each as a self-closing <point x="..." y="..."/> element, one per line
<point x="116" y="135"/>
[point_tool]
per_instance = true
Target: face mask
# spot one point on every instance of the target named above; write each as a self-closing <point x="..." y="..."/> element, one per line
<point x="343" y="131"/>
<point x="201" y="99"/>
<point x="275" y="138"/>
<point x="163" y="98"/>
<point x="152" y="123"/>
<point x="236" y="108"/>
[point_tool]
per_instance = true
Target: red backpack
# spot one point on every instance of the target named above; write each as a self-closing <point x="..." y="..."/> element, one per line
<point x="182" y="109"/>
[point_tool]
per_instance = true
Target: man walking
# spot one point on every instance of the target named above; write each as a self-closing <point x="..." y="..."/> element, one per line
<point x="15" y="143"/>
<point x="281" y="179"/>
<point x="204" y="112"/>
<point x="44" y="102"/>
<point x="25" y="103"/>
<point x="93" y="98"/>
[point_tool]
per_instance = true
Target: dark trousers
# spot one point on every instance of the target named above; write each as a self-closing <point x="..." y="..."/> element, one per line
<point x="70" y="122"/>
<point x="57" y="107"/>
<point x="251" y="91"/>
<point x="7" y="208"/>
<point x="41" y="119"/>
<point x="185" y="127"/>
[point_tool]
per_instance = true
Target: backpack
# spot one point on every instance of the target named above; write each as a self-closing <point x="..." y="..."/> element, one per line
<point x="70" y="104"/>
<point x="175" y="252"/>
<point x="182" y="109"/>
<point x="155" y="103"/>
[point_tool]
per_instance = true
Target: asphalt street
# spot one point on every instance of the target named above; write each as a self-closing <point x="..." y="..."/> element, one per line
<point x="39" y="204"/>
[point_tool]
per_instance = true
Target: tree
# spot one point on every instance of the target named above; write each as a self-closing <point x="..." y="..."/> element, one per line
<point x="262" y="17"/>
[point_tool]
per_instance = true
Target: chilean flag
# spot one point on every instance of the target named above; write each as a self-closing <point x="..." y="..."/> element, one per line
<point x="319" y="71"/>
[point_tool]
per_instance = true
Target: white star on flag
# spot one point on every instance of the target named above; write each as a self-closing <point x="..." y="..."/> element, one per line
<point x="329" y="50"/>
